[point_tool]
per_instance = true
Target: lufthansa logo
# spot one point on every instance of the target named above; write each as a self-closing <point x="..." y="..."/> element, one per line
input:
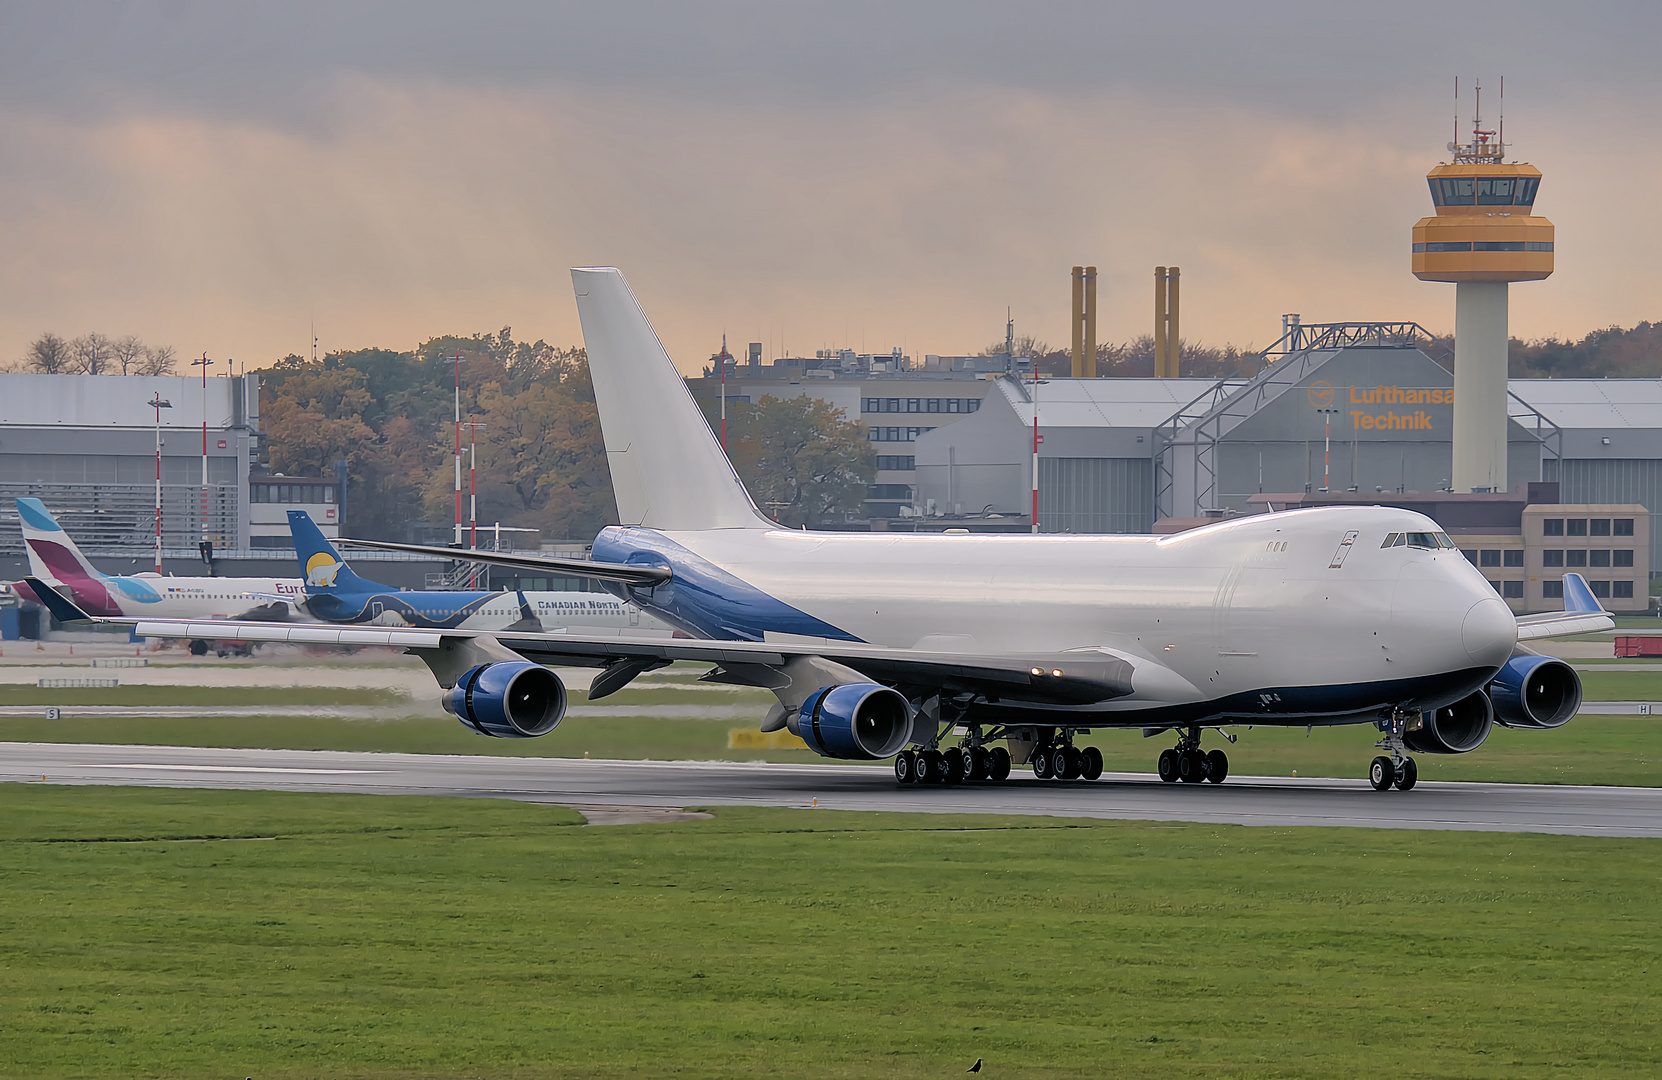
<point x="1321" y="394"/>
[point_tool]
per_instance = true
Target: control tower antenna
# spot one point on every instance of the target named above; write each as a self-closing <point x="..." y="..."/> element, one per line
<point x="1483" y="236"/>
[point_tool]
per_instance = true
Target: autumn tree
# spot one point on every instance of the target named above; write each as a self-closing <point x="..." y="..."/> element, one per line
<point x="48" y="355"/>
<point x="801" y="459"/>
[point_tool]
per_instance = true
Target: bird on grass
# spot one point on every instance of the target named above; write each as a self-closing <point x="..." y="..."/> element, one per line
<point x="976" y="1067"/>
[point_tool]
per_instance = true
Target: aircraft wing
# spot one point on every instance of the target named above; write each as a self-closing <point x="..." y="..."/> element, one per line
<point x="628" y="575"/>
<point x="1051" y="680"/>
<point x="1582" y="614"/>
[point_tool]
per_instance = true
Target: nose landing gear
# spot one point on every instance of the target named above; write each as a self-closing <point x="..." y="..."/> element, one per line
<point x="1398" y="770"/>
<point x="1189" y="763"/>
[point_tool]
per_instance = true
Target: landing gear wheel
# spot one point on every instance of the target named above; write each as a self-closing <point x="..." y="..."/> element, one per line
<point x="906" y="767"/>
<point x="930" y="767"/>
<point x="1408" y="775"/>
<point x="953" y="766"/>
<point x="1041" y="763"/>
<point x="1064" y="763"/>
<point x="980" y="761"/>
<point x="1191" y="766"/>
<point x="1217" y="766"/>
<point x="1382" y="773"/>
<point x="1168" y="765"/>
<point x="998" y="768"/>
<point x="1090" y="763"/>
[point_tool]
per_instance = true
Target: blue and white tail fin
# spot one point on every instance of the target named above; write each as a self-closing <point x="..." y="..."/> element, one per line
<point x="320" y="564"/>
<point x="1582" y="614"/>
<point x="53" y="556"/>
<point x="668" y="470"/>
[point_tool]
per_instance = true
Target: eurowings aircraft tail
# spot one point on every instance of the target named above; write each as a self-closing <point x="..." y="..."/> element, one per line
<point x="53" y="556"/>
<point x="320" y="564"/>
<point x="668" y="471"/>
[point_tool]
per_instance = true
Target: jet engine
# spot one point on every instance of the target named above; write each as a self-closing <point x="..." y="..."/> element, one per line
<point x="1454" y="729"/>
<point x="1535" y="692"/>
<point x="507" y="700"/>
<point x="865" y="721"/>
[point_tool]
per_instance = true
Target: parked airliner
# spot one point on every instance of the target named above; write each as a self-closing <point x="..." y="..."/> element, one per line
<point x="334" y="593"/>
<point x="960" y="656"/>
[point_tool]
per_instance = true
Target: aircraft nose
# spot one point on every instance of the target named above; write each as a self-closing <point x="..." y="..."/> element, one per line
<point x="1489" y="632"/>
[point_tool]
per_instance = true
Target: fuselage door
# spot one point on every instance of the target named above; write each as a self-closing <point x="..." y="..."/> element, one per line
<point x="1344" y="549"/>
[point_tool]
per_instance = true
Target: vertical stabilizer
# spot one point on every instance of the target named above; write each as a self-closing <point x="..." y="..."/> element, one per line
<point x="53" y="556"/>
<point x="668" y="471"/>
<point x="320" y="564"/>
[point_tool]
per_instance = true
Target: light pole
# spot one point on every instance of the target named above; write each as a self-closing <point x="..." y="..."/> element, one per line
<point x="1327" y="448"/>
<point x="204" y="364"/>
<point x="457" y="363"/>
<point x="159" y="403"/>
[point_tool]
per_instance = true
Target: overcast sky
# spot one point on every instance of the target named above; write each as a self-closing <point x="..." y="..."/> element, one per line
<point x="219" y="176"/>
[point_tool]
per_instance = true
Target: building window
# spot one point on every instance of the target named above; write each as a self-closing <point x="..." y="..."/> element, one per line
<point x="1624" y="526"/>
<point x="1471" y="556"/>
<point x="1489" y="557"/>
<point x="1495" y="585"/>
<point x="1552" y="557"/>
<point x="1621" y="590"/>
<point x="897" y="462"/>
<point x="1512" y="590"/>
<point x="1600" y="589"/>
<point x="1513" y="557"/>
<point x="1598" y="557"/>
<point x="1552" y="590"/>
<point x="1552" y="526"/>
<point x="1575" y="557"/>
<point x="1598" y="527"/>
<point x="1621" y="557"/>
<point x="1576" y="526"/>
<point x="902" y="492"/>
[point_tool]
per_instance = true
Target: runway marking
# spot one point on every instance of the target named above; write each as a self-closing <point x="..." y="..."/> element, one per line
<point x="241" y="768"/>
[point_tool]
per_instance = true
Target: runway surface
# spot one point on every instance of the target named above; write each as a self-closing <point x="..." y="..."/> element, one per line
<point x="648" y="785"/>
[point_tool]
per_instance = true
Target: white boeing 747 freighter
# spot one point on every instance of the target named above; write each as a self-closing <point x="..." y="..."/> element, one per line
<point x="960" y="656"/>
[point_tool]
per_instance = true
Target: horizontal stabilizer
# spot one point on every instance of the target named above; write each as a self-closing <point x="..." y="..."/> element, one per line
<point x="62" y="607"/>
<point x="629" y="575"/>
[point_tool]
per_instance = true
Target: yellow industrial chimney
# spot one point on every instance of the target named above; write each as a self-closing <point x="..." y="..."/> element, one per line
<point x="1483" y="236"/>
<point x="1084" y="322"/>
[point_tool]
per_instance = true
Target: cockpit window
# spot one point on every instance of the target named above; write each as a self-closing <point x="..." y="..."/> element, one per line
<point x="1423" y="540"/>
<point x="1391" y="539"/>
<point x="1443" y="541"/>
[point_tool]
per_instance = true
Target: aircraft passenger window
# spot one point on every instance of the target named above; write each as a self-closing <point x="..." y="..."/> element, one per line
<point x="1600" y="589"/>
<point x="1390" y="539"/>
<point x="1458" y="191"/>
<point x="1422" y="540"/>
<point x="1495" y="190"/>
<point x="1599" y="527"/>
<point x="1526" y="190"/>
<point x="1489" y="557"/>
<point x="1574" y="557"/>
<point x="1552" y="590"/>
<point x="1513" y="557"/>
<point x="1552" y="526"/>
<point x="1622" y="557"/>
<point x="1576" y="526"/>
<point x="1552" y="557"/>
<point x="1512" y="590"/>
<point x="1598" y="557"/>
<point x="1621" y="590"/>
<point x="1624" y="526"/>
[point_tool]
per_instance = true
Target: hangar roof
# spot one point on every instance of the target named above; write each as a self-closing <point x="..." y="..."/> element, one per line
<point x="1091" y="403"/>
<point x="1594" y="403"/>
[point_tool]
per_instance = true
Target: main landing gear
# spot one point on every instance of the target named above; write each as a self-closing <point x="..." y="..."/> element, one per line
<point x="954" y="765"/>
<point x="1189" y="763"/>
<point x="1398" y="770"/>
<point x="1064" y="761"/>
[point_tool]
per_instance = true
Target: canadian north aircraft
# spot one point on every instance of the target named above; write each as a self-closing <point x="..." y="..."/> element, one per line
<point x="960" y="656"/>
<point x="335" y="594"/>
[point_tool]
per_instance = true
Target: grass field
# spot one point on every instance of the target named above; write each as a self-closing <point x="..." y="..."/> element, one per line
<point x="1590" y="750"/>
<point x="207" y="933"/>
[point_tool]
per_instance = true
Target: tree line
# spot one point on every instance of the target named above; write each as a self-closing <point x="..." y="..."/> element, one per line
<point x="96" y="354"/>
<point x="529" y="416"/>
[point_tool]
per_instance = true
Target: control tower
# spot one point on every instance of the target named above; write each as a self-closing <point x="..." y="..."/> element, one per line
<point x="1482" y="238"/>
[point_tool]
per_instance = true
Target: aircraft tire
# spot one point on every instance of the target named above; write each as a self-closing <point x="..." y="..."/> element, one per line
<point x="998" y="768"/>
<point x="906" y="767"/>
<point x="1382" y="773"/>
<point x="1070" y="763"/>
<point x="1090" y="763"/>
<point x="1408" y="776"/>
<point x="954" y="766"/>
<point x="1217" y="766"/>
<point x="929" y="767"/>
<point x="980" y="763"/>
<point x="1041" y="763"/>
<point x="1191" y="766"/>
<point x="1168" y="765"/>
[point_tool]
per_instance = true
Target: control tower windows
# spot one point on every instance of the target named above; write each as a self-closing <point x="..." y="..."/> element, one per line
<point x="1484" y="190"/>
<point x="1458" y="191"/>
<point x="1526" y="190"/>
<point x="1495" y="190"/>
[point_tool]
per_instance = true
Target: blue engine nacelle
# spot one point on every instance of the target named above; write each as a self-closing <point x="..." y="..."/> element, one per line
<point x="508" y="700"/>
<point x="1535" y="692"/>
<point x="1453" y="729"/>
<point x="864" y="721"/>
